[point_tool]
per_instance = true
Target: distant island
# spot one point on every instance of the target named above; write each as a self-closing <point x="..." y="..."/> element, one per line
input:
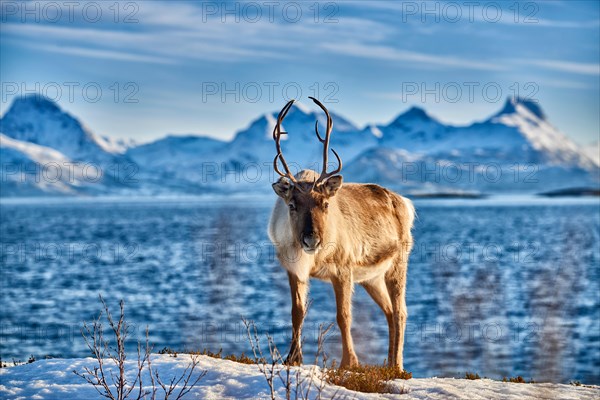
<point x="572" y="192"/>
<point x="448" y="195"/>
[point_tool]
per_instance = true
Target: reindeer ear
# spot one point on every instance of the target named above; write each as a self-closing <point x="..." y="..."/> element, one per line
<point x="331" y="185"/>
<point x="283" y="187"/>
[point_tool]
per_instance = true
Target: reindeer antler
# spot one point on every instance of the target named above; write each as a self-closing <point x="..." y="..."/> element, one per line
<point x="277" y="136"/>
<point x="279" y="157"/>
<point x="324" y="173"/>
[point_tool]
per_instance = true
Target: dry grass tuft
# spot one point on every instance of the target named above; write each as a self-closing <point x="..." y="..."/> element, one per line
<point x="242" y="358"/>
<point x="518" y="379"/>
<point x="366" y="378"/>
<point x="472" y="376"/>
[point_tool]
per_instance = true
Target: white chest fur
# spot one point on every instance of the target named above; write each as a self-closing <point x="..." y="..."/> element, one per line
<point x="296" y="262"/>
<point x="292" y="258"/>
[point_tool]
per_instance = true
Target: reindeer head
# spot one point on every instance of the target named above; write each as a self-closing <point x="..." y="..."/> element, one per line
<point x="307" y="194"/>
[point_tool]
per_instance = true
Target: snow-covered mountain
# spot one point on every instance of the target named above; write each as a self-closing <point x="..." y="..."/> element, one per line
<point x="36" y="119"/>
<point x="175" y="152"/>
<point x="525" y="121"/>
<point x="593" y="151"/>
<point x="415" y="131"/>
<point x="519" y="129"/>
<point x="516" y="149"/>
<point x="45" y="150"/>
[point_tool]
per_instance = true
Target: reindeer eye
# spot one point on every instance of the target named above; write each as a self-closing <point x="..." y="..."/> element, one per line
<point x="326" y="206"/>
<point x="292" y="206"/>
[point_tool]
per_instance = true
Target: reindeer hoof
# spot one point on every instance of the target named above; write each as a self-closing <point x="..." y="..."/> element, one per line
<point x="293" y="359"/>
<point x="351" y="361"/>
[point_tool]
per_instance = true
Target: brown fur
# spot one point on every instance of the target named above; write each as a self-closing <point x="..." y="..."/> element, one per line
<point x="364" y="236"/>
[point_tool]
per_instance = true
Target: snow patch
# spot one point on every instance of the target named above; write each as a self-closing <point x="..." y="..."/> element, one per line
<point x="54" y="380"/>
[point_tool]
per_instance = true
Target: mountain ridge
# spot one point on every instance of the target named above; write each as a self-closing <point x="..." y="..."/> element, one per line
<point x="519" y="133"/>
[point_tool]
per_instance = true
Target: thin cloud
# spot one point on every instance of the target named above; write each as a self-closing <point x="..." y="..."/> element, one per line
<point x="569" y="24"/>
<point x="165" y="47"/>
<point x="394" y="54"/>
<point x="564" y="84"/>
<point x="567" y="66"/>
<point x="104" y="54"/>
<point x="209" y="41"/>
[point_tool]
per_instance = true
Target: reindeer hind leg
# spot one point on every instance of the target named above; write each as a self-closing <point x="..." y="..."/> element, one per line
<point x="378" y="291"/>
<point x="395" y="280"/>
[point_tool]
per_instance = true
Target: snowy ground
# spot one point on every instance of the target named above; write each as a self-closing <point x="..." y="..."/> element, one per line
<point x="54" y="379"/>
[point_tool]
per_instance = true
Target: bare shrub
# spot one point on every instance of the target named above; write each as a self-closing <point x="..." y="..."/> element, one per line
<point x="296" y="385"/>
<point x="116" y="386"/>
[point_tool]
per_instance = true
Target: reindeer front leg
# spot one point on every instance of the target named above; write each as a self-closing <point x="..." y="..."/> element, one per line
<point x="342" y="286"/>
<point x="299" y="290"/>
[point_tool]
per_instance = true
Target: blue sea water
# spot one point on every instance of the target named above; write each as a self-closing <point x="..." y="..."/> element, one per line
<point x="499" y="286"/>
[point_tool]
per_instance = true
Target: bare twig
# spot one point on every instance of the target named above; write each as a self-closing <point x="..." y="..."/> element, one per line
<point x="94" y="340"/>
<point x="186" y="377"/>
<point x="259" y="359"/>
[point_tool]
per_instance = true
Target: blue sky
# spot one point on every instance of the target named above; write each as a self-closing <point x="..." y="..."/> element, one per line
<point x="210" y="68"/>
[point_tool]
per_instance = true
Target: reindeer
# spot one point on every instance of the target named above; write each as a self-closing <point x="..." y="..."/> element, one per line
<point x="342" y="234"/>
